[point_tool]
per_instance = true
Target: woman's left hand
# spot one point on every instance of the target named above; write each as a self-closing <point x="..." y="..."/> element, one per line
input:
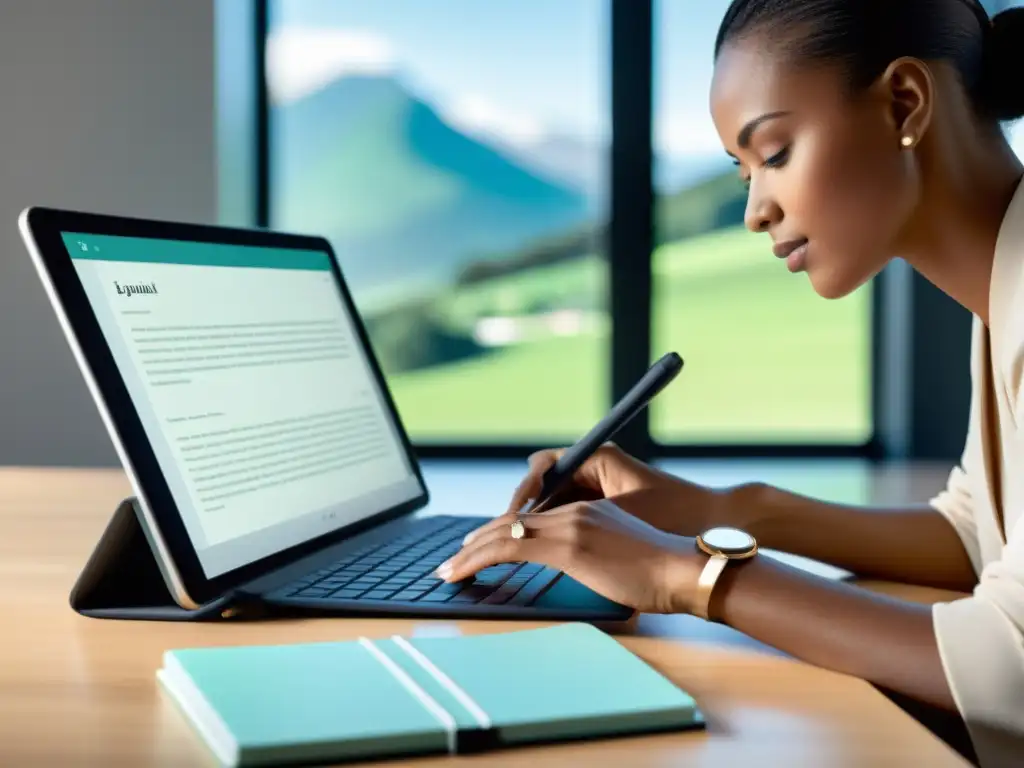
<point x="598" y="544"/>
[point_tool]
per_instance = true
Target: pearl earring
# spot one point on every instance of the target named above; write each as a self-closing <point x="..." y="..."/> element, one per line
<point x="907" y="141"/>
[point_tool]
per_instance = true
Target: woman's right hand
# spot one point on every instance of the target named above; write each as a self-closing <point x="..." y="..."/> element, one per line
<point x="658" y="498"/>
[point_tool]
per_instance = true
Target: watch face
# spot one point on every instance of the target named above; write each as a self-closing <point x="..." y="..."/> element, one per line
<point x="728" y="540"/>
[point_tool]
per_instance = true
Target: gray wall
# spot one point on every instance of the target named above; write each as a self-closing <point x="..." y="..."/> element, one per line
<point x="109" y="107"/>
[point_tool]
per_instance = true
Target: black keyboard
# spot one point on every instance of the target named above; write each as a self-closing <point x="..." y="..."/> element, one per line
<point x="402" y="570"/>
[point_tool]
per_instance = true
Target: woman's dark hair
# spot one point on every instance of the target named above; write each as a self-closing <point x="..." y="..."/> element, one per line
<point x="866" y="35"/>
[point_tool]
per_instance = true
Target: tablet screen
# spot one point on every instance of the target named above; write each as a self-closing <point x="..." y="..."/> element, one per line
<point x="252" y="387"/>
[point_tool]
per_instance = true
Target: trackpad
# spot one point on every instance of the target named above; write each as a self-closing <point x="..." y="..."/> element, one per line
<point x="567" y="592"/>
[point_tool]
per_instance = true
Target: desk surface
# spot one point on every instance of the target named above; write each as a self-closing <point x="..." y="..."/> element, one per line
<point x="82" y="691"/>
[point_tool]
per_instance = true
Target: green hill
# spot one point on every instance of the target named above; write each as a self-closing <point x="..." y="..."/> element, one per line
<point x="713" y="204"/>
<point x="767" y="359"/>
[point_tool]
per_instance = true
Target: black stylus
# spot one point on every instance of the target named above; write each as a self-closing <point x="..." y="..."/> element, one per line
<point x="658" y="376"/>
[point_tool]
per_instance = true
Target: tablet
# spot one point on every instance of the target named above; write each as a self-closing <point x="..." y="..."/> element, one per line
<point x="238" y="385"/>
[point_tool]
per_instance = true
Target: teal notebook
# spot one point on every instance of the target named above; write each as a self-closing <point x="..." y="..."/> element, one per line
<point x="375" y="698"/>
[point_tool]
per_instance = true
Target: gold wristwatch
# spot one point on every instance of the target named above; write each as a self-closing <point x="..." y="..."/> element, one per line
<point x="722" y="545"/>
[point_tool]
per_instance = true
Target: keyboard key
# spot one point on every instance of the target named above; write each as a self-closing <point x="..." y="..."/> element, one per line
<point x="378" y="594"/>
<point x="450" y="589"/>
<point x="409" y="578"/>
<point x="502" y="594"/>
<point x="495" y="575"/>
<point x="534" y="587"/>
<point x="408" y="594"/>
<point x="348" y="594"/>
<point x="435" y="597"/>
<point x="474" y="593"/>
<point x="314" y="592"/>
<point x="367" y="583"/>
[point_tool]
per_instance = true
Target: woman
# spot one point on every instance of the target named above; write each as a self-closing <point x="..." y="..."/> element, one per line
<point x="865" y="131"/>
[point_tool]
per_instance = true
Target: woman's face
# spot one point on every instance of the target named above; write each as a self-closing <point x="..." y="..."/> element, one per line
<point x="828" y="178"/>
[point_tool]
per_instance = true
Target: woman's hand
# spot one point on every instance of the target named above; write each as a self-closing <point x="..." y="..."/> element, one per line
<point x="597" y="543"/>
<point x="658" y="498"/>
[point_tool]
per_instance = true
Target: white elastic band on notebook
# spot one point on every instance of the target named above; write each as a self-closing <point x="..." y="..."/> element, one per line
<point x="482" y="718"/>
<point x="443" y="716"/>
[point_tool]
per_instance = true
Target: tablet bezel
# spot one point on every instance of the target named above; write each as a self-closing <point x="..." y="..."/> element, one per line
<point x="82" y="329"/>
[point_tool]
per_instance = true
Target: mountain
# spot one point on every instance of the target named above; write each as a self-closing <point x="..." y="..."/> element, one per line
<point x="567" y="160"/>
<point x="405" y="198"/>
<point x="586" y="167"/>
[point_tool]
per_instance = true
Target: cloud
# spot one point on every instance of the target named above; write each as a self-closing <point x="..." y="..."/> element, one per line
<point x="302" y="60"/>
<point x="476" y="115"/>
<point x="686" y="135"/>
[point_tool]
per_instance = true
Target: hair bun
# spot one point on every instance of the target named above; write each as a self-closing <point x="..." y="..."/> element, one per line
<point x="1001" y="89"/>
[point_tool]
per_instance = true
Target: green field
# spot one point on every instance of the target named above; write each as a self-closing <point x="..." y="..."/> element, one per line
<point x="767" y="360"/>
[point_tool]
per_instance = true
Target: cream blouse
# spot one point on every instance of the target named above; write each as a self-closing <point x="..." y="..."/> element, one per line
<point x="981" y="637"/>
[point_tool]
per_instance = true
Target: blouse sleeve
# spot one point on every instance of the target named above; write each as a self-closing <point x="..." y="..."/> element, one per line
<point x="981" y="643"/>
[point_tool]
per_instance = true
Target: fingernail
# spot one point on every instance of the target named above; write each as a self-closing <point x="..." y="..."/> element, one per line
<point x="444" y="570"/>
<point x="469" y="537"/>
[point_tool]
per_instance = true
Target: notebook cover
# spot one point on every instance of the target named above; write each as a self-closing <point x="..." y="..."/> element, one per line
<point x="339" y="700"/>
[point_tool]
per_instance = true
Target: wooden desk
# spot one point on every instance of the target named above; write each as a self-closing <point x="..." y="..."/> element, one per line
<point x="77" y="691"/>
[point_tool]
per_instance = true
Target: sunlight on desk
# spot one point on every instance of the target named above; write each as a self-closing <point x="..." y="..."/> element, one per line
<point x="486" y="486"/>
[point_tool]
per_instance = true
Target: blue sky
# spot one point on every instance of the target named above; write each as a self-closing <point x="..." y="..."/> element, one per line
<point x="525" y="67"/>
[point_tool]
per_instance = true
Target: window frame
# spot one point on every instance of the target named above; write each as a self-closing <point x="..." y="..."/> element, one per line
<point x="629" y="250"/>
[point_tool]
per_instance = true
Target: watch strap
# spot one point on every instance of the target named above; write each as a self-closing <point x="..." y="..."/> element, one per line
<point x="706" y="583"/>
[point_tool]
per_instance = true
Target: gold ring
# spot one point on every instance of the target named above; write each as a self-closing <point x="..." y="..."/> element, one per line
<point x="518" y="529"/>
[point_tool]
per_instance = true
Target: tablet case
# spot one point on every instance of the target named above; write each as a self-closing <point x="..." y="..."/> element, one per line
<point x="121" y="579"/>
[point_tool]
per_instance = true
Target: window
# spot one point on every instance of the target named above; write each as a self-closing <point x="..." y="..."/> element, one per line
<point x="454" y="154"/>
<point x="462" y="172"/>
<point x="768" y="361"/>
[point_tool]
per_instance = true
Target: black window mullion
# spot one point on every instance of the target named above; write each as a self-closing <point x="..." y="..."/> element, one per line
<point x="631" y="216"/>
<point x="262" y="145"/>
